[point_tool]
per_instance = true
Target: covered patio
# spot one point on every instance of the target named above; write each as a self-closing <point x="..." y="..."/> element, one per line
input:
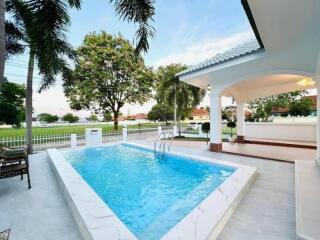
<point x="283" y="57"/>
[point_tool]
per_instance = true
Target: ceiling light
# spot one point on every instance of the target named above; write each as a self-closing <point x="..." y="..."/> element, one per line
<point x="306" y="82"/>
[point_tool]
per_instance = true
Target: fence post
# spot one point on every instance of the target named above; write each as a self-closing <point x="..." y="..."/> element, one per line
<point x="200" y="129"/>
<point x="125" y="133"/>
<point x="175" y="130"/>
<point x="159" y="130"/>
<point x="73" y="140"/>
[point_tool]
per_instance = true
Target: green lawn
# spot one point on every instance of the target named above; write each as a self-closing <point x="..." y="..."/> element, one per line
<point x="79" y="129"/>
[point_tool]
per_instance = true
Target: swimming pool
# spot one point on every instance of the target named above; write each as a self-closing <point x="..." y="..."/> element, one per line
<point x="122" y="191"/>
<point x="149" y="192"/>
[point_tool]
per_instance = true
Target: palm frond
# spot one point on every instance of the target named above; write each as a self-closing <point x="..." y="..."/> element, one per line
<point x="140" y="12"/>
<point x="14" y="39"/>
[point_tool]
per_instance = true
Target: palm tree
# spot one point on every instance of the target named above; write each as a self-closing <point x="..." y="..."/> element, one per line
<point x="171" y="90"/>
<point x="2" y="40"/>
<point x="139" y="12"/>
<point x="42" y="24"/>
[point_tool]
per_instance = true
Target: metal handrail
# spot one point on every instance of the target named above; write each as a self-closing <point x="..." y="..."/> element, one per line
<point x="170" y="136"/>
<point x="172" y="139"/>
<point x="165" y="141"/>
<point x="158" y="139"/>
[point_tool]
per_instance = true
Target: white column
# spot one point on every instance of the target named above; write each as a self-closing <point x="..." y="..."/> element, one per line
<point x="318" y="121"/>
<point x="215" y="122"/>
<point x="240" y="122"/>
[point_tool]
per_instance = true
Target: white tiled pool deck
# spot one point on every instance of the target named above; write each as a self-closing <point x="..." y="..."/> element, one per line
<point x="266" y="212"/>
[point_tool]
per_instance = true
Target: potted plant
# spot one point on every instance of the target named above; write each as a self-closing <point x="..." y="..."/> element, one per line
<point x="206" y="129"/>
<point x="231" y="125"/>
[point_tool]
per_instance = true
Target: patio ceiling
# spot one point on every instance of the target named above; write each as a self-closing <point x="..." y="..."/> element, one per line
<point x="266" y="85"/>
<point x="289" y="30"/>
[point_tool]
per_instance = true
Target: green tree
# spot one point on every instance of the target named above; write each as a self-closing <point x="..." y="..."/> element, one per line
<point x="262" y="107"/>
<point x="139" y="12"/>
<point x="107" y="117"/>
<point x="70" y="118"/>
<point x="42" y="25"/>
<point x="108" y="73"/>
<point x="93" y="117"/>
<point x="161" y="112"/>
<point x="12" y="97"/>
<point x="2" y="41"/>
<point x="206" y="129"/>
<point x="301" y="107"/>
<point x="47" y="118"/>
<point x="170" y="90"/>
<point x="231" y="125"/>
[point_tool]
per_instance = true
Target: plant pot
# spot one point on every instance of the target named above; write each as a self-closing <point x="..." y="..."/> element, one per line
<point x="232" y="139"/>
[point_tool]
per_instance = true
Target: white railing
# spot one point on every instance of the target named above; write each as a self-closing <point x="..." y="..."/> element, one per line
<point x="46" y="141"/>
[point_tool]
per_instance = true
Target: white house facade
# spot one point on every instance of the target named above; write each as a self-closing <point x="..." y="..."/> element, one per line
<point x="284" y="57"/>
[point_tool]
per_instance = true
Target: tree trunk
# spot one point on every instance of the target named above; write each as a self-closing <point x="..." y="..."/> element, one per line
<point x="115" y="120"/>
<point x="179" y="124"/>
<point x="29" y="102"/>
<point x="2" y="40"/>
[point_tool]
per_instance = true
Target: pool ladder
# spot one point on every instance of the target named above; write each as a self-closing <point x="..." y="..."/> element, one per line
<point x="164" y="138"/>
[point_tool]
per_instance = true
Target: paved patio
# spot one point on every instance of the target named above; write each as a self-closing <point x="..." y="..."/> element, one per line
<point x="289" y="154"/>
<point x="39" y="213"/>
<point x="266" y="212"/>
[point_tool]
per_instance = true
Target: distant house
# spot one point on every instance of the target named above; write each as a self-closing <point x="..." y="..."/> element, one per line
<point x="138" y="116"/>
<point x="276" y="112"/>
<point x="199" y="114"/>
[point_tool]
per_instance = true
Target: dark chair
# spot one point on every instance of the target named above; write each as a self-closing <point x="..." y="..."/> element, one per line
<point x="14" y="162"/>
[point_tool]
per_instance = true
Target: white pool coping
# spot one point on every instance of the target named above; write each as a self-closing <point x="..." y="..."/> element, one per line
<point x="97" y="221"/>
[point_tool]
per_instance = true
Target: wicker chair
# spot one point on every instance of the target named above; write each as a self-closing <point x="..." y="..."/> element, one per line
<point x="14" y="162"/>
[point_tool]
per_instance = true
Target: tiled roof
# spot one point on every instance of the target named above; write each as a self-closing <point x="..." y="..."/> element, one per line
<point x="199" y="112"/>
<point x="247" y="47"/>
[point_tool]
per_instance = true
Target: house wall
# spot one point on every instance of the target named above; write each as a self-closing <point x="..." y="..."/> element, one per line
<point x="282" y="131"/>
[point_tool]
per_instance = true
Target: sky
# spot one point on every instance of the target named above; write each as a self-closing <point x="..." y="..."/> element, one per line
<point x="187" y="31"/>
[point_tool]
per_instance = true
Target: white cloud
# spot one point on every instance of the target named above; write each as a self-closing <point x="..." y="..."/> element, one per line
<point x="203" y="49"/>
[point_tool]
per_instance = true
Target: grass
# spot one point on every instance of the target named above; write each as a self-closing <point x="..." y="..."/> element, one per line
<point x="77" y="129"/>
<point x="80" y="129"/>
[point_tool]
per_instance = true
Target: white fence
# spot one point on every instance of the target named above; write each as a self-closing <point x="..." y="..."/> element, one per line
<point x="42" y="142"/>
<point x="281" y="131"/>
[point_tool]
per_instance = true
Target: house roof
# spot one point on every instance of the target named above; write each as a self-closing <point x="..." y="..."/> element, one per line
<point x="243" y="49"/>
<point x="141" y="116"/>
<point x="199" y="112"/>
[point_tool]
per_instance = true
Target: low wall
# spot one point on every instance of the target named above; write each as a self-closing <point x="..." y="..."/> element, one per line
<point x="281" y="131"/>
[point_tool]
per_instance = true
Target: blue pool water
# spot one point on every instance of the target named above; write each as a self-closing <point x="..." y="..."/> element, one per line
<point x="149" y="194"/>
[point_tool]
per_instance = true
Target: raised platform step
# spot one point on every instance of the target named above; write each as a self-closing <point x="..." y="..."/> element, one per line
<point x="282" y="143"/>
<point x="307" y="193"/>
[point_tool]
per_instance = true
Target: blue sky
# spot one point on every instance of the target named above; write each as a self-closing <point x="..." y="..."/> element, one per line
<point x="187" y="31"/>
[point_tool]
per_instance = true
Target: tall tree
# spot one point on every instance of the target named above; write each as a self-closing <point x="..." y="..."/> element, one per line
<point x="108" y="73"/>
<point x="140" y="12"/>
<point x="12" y="97"/>
<point x="43" y="24"/>
<point x="2" y="40"/>
<point x="161" y="112"/>
<point x="170" y="90"/>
